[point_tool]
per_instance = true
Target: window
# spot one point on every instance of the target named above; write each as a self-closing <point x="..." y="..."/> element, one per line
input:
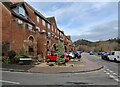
<point x="43" y="22"/>
<point x="52" y="28"/>
<point x="48" y="34"/>
<point x="30" y="26"/>
<point x="20" y="22"/>
<point x="113" y="53"/>
<point x="37" y="18"/>
<point x="48" y="26"/>
<point x="43" y="31"/>
<point x="21" y="11"/>
<point x="37" y="29"/>
<point x="55" y="30"/>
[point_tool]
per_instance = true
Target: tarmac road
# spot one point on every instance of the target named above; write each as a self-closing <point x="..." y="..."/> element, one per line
<point x="105" y="76"/>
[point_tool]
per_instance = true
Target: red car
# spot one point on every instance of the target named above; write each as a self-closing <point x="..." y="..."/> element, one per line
<point x="53" y="58"/>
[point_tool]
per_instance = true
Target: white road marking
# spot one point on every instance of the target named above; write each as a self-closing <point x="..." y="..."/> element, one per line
<point x="108" y="69"/>
<point x="111" y="71"/>
<point x="116" y="79"/>
<point x="104" y="71"/>
<point x="111" y="76"/>
<point x="108" y="73"/>
<point x="114" y="73"/>
<point x="9" y="82"/>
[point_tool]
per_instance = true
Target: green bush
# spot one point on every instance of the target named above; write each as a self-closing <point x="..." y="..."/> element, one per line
<point x="5" y="60"/>
<point x="11" y="54"/>
<point x="47" y="60"/>
<point x="61" y="60"/>
<point x="24" y="56"/>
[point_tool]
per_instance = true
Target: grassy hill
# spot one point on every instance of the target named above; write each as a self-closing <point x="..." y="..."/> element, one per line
<point x="108" y="45"/>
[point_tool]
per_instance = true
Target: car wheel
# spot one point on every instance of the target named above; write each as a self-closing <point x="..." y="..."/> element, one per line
<point x="115" y="60"/>
<point x="107" y="58"/>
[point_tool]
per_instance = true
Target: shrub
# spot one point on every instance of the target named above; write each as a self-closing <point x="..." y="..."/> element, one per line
<point x="47" y="60"/>
<point x="11" y="54"/>
<point x="5" y="60"/>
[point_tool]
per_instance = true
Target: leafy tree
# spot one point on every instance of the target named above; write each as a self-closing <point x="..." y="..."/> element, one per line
<point x="60" y="50"/>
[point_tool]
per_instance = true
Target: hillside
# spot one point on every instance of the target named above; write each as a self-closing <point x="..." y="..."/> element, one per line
<point x="108" y="45"/>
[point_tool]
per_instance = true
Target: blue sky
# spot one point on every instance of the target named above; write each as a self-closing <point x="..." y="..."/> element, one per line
<point x="83" y="20"/>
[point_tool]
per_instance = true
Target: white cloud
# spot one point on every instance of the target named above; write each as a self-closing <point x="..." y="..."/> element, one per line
<point x="104" y="31"/>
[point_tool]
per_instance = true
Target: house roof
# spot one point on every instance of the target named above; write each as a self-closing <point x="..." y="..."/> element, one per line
<point x="37" y="13"/>
<point x="10" y="6"/>
<point x="50" y="19"/>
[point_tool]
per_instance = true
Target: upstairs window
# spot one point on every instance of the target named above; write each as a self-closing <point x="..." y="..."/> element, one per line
<point x="30" y="26"/>
<point x="48" y="26"/>
<point x="48" y="34"/>
<point x="21" y="11"/>
<point x="61" y="34"/>
<point x="55" y="30"/>
<point x="38" y="29"/>
<point x="43" y="22"/>
<point x="20" y="22"/>
<point x="38" y="20"/>
<point x="52" y="29"/>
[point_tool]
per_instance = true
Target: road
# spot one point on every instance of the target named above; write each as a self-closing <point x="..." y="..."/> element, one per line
<point x="106" y="76"/>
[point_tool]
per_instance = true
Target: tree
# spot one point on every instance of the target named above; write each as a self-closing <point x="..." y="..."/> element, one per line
<point x="60" y="50"/>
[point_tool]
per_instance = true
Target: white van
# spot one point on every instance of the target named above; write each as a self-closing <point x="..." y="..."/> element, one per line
<point x="114" y="56"/>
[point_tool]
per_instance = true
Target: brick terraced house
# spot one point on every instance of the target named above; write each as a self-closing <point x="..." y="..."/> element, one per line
<point x="27" y="31"/>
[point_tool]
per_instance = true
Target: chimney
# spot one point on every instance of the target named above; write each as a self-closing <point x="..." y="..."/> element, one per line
<point x="16" y="1"/>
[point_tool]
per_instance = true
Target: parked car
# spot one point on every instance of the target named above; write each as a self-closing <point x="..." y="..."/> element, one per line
<point x="100" y="53"/>
<point x="71" y="55"/>
<point x="77" y="54"/>
<point x="90" y="53"/>
<point x="114" y="56"/>
<point x="53" y="57"/>
<point x="104" y="55"/>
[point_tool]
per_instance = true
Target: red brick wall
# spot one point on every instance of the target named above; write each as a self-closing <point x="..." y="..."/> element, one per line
<point x="6" y="24"/>
<point x="42" y="39"/>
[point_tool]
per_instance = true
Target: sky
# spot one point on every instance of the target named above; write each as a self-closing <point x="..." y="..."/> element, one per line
<point x="94" y="21"/>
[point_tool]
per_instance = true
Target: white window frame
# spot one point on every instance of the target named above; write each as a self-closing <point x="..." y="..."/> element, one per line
<point x="52" y="29"/>
<point x="20" y="22"/>
<point x="37" y="28"/>
<point x="43" y="22"/>
<point x="48" y="26"/>
<point x="30" y="26"/>
<point x="38" y="19"/>
<point x="55" y="30"/>
<point x="49" y="34"/>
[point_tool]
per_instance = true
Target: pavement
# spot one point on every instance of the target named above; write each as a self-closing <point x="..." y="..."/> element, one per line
<point x="84" y="65"/>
